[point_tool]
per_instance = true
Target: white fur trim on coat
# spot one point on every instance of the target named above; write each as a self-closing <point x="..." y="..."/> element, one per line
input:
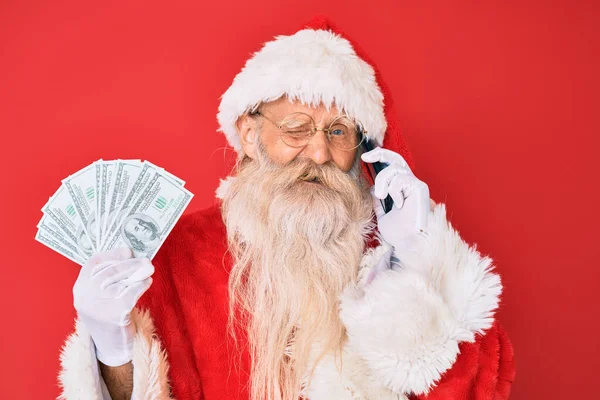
<point x="313" y="66"/>
<point x="407" y="323"/>
<point x="80" y="377"/>
<point x="224" y="185"/>
<point x="347" y="379"/>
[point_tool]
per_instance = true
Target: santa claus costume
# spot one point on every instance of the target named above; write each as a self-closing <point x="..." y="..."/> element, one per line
<point x="425" y="331"/>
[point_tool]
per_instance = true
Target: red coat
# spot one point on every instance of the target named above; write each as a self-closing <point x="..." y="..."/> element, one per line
<point x="188" y="302"/>
<point x="441" y="338"/>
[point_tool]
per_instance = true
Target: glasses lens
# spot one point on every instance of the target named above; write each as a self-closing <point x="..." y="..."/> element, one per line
<point x="296" y="129"/>
<point x="343" y="134"/>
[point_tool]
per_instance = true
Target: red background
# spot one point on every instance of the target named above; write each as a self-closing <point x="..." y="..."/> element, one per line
<point x="498" y="103"/>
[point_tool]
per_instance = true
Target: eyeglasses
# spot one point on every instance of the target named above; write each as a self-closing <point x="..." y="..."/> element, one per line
<point x="298" y="129"/>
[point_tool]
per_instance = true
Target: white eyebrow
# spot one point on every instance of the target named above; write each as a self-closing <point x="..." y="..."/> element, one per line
<point x="293" y="123"/>
<point x="342" y="119"/>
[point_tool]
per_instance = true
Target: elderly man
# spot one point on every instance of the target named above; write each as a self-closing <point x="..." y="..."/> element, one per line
<point x="299" y="283"/>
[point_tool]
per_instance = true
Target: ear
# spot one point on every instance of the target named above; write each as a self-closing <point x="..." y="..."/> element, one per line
<point x="248" y="132"/>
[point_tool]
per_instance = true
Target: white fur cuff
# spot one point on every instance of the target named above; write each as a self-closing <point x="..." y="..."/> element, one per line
<point x="407" y="323"/>
<point x="80" y="377"/>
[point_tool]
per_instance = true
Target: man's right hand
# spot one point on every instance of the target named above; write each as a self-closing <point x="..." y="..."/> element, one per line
<point x="106" y="291"/>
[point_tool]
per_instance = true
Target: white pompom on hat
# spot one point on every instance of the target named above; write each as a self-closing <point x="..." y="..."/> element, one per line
<point x="316" y="65"/>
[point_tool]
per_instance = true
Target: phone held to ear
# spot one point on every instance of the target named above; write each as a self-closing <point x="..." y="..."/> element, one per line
<point x="374" y="169"/>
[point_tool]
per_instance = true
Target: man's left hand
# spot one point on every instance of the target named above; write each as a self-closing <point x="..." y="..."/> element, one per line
<point x="408" y="217"/>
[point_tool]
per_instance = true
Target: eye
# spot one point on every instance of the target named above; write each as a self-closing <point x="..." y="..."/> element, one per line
<point x="296" y="129"/>
<point x="338" y="130"/>
<point x="294" y="124"/>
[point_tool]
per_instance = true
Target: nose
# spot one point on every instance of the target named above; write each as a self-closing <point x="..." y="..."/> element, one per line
<point x="318" y="148"/>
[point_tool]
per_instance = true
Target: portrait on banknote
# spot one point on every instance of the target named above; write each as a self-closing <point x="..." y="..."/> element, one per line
<point x="140" y="232"/>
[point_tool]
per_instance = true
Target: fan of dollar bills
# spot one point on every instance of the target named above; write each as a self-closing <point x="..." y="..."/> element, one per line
<point x="111" y="204"/>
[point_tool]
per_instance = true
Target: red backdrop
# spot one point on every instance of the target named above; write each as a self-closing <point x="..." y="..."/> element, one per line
<point x="498" y="102"/>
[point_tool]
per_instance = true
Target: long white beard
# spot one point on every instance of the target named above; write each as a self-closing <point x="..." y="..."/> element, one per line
<point x="296" y="245"/>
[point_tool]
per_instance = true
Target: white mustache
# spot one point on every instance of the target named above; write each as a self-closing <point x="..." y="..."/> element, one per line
<point x="327" y="175"/>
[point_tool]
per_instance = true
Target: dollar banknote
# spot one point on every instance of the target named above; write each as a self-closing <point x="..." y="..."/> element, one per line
<point x="61" y="209"/>
<point x="106" y="175"/>
<point x="82" y="186"/>
<point x="125" y="174"/>
<point x="50" y="241"/>
<point x="151" y="216"/>
<point x="50" y="232"/>
<point x="134" y="189"/>
<point x="110" y="204"/>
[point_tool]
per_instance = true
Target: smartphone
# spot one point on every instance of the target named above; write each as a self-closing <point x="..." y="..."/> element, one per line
<point x="374" y="169"/>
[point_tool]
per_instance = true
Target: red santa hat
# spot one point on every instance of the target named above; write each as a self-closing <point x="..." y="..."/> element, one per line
<point x="316" y="65"/>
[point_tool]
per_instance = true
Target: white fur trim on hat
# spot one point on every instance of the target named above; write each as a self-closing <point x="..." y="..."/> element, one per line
<point x="313" y="66"/>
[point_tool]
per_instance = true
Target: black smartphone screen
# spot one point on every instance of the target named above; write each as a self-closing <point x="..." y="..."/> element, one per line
<point x="374" y="169"/>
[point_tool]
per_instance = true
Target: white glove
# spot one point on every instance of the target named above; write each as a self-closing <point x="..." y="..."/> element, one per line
<point x="408" y="218"/>
<point x="106" y="291"/>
